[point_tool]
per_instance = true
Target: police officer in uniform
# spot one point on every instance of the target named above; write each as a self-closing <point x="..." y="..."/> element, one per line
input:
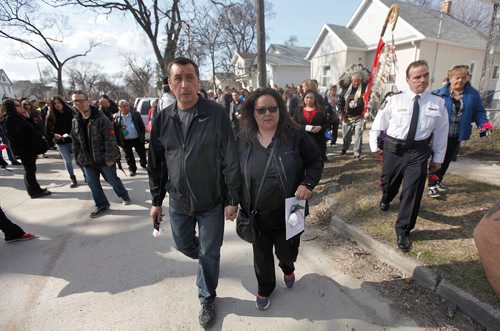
<point x="415" y="123"/>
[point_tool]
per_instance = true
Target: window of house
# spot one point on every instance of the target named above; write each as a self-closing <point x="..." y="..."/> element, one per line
<point x="495" y="73"/>
<point x="471" y="69"/>
<point x="325" y="79"/>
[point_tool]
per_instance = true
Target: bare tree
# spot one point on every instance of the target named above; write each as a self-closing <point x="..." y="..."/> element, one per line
<point x="473" y="13"/>
<point x="85" y="76"/>
<point x="42" y="34"/>
<point x="140" y="77"/>
<point x="151" y="16"/>
<point x="291" y="41"/>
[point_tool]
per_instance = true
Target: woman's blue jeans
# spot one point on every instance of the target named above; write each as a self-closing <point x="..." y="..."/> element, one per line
<point x="205" y="247"/>
<point x="66" y="151"/>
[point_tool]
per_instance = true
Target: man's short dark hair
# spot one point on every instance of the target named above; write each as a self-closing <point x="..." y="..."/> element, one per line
<point x="183" y="61"/>
<point x="415" y="64"/>
<point x="80" y="92"/>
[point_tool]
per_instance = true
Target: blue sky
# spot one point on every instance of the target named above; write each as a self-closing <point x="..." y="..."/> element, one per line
<point x="302" y="19"/>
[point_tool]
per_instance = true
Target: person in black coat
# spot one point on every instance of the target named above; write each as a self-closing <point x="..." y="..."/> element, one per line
<point x="312" y="118"/>
<point x="295" y="166"/>
<point x="27" y="142"/>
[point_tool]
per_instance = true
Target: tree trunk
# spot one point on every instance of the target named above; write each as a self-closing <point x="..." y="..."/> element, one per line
<point x="60" y="86"/>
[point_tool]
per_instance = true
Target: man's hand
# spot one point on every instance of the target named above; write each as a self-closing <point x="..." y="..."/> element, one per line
<point x="230" y="213"/>
<point x="110" y="163"/>
<point x="303" y="193"/>
<point x="57" y="136"/>
<point x="156" y="213"/>
<point x="434" y="167"/>
<point x="380" y="154"/>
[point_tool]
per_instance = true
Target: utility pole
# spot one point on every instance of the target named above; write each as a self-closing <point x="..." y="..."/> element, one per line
<point x="261" y="43"/>
<point x="489" y="55"/>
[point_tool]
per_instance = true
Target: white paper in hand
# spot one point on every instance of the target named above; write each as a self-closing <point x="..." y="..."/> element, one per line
<point x="294" y="216"/>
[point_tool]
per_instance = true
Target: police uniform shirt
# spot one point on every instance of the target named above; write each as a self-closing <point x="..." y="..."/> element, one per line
<point x="395" y="120"/>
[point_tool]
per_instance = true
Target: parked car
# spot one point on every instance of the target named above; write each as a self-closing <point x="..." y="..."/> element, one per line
<point x="143" y="105"/>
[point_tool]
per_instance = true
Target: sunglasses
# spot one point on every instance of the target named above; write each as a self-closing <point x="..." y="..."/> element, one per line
<point x="262" y="111"/>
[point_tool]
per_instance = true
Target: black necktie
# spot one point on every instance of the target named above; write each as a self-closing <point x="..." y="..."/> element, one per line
<point x="414" y="120"/>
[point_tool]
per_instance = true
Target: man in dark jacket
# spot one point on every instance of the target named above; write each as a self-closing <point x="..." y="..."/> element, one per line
<point x="193" y="156"/>
<point x="95" y="150"/>
<point x="130" y="132"/>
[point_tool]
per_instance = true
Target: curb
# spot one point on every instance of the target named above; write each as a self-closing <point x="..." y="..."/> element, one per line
<point x="483" y="313"/>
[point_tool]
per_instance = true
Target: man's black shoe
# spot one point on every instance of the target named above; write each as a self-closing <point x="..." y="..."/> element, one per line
<point x="99" y="211"/>
<point x="207" y="314"/>
<point x="132" y="173"/>
<point x="404" y="243"/>
<point x="384" y="206"/>
<point x="343" y="152"/>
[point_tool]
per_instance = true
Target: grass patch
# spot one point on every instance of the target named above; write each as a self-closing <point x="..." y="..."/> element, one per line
<point x="486" y="148"/>
<point x="442" y="239"/>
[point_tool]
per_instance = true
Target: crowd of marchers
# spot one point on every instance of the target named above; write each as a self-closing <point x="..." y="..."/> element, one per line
<point x="238" y="154"/>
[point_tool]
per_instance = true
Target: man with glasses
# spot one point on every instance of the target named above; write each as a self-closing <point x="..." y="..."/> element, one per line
<point x="193" y="156"/>
<point x="96" y="151"/>
<point x="131" y="134"/>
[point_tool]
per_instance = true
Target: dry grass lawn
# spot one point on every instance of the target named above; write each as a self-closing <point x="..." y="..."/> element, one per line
<point x="442" y="239"/>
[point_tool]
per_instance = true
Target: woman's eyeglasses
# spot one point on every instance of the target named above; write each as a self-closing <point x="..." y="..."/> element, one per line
<point x="262" y="111"/>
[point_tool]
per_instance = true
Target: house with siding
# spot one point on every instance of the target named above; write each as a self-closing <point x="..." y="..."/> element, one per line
<point x="285" y="64"/>
<point x="6" y="87"/>
<point x="420" y="33"/>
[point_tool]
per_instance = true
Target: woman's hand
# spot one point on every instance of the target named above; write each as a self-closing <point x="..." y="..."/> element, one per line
<point x="303" y="193"/>
<point x="316" y="129"/>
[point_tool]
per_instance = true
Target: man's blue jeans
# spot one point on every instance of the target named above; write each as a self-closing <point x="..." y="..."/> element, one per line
<point x="205" y="247"/>
<point x="66" y="151"/>
<point x="109" y="174"/>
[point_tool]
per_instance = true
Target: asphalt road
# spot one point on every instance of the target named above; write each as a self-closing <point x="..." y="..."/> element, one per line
<point x="110" y="273"/>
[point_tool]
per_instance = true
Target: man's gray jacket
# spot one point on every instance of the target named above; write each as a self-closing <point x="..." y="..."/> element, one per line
<point x="200" y="171"/>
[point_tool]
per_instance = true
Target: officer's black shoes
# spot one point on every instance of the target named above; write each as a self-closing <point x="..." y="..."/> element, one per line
<point x="404" y="243"/>
<point x="384" y="206"/>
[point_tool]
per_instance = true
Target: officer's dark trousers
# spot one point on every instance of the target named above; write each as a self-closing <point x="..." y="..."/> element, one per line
<point x="410" y="167"/>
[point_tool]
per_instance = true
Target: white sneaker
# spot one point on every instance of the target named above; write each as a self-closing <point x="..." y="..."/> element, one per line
<point x="433" y="192"/>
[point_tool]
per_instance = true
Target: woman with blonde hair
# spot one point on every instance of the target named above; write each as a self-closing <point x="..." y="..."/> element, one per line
<point x="464" y="106"/>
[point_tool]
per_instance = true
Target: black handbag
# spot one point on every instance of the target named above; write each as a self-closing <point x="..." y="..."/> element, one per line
<point x="246" y="223"/>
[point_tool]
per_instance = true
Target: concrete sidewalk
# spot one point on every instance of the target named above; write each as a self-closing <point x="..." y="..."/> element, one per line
<point x="481" y="171"/>
<point x="110" y="273"/>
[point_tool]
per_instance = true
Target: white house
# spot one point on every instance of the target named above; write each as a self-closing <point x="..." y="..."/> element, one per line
<point x="245" y="72"/>
<point x="420" y="33"/>
<point x="284" y="65"/>
<point x="6" y="87"/>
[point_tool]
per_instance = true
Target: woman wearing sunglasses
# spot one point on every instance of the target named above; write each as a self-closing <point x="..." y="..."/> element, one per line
<point x="277" y="161"/>
<point x="311" y="117"/>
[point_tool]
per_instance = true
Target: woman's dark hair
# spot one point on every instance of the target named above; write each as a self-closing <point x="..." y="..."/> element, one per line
<point x="51" y="117"/>
<point x="317" y="100"/>
<point x="249" y="128"/>
<point x="8" y="107"/>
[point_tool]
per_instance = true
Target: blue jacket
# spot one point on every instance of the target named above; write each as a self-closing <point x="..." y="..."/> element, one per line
<point x="473" y="109"/>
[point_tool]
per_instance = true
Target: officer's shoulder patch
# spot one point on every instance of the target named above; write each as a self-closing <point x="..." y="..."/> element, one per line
<point x="390" y="94"/>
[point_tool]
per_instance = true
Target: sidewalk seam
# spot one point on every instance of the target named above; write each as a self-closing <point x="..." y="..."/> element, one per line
<point x="483" y="313"/>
